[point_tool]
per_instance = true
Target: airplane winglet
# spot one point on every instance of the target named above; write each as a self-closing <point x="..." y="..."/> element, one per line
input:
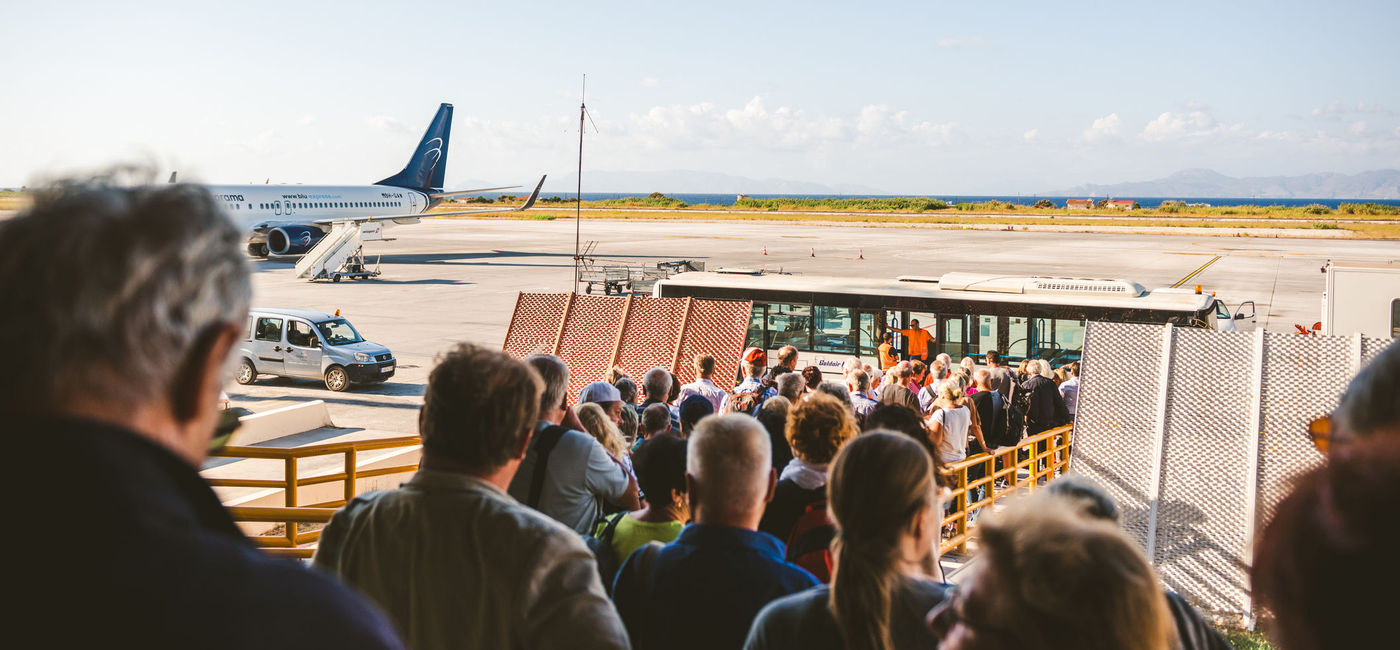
<point x="535" y="194"/>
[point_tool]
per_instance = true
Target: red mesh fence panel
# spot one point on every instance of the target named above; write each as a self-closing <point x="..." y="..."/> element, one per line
<point x="719" y="328"/>
<point x="590" y="335"/>
<point x="653" y="327"/>
<point x="590" y="341"/>
<point x="534" y="328"/>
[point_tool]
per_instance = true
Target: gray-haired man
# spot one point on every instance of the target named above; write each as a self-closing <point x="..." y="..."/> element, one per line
<point x="121" y="307"/>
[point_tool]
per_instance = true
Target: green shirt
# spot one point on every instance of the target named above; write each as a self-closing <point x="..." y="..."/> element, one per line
<point x="632" y="533"/>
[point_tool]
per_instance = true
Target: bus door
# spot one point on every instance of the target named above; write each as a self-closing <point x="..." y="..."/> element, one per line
<point x="953" y="336"/>
<point x="872" y="328"/>
<point x="927" y="321"/>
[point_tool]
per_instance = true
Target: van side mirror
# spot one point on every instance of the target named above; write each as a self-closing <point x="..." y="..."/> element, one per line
<point x="1243" y="313"/>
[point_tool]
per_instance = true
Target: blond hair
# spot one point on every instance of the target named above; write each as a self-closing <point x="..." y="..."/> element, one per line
<point x="1068" y="581"/>
<point x="596" y="421"/>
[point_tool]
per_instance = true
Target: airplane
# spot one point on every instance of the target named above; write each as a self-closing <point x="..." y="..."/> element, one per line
<point x="290" y="219"/>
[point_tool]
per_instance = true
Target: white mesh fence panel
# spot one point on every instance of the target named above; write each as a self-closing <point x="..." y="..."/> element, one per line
<point x="1197" y="433"/>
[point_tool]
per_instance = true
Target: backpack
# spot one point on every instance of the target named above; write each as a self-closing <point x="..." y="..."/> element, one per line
<point x="746" y="403"/>
<point x="601" y="545"/>
<point x="809" y="543"/>
<point x="545" y="442"/>
<point x="1015" y="409"/>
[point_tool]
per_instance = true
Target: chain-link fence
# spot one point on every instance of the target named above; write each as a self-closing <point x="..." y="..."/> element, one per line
<point x="1196" y="434"/>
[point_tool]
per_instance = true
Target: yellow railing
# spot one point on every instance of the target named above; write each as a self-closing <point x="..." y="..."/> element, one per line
<point x="294" y="513"/>
<point x="1047" y="456"/>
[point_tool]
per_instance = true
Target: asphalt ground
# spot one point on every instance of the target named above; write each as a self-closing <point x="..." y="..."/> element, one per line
<point x="450" y="280"/>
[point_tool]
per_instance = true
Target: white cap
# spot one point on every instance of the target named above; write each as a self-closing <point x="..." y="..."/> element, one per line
<point x="599" y="392"/>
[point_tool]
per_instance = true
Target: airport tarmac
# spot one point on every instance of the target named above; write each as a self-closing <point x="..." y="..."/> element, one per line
<point x="456" y="280"/>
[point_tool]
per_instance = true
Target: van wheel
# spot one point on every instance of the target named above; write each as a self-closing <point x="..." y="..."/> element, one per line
<point x="336" y="379"/>
<point x="247" y="374"/>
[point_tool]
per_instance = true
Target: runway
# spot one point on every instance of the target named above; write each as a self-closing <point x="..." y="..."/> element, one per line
<point x="446" y="281"/>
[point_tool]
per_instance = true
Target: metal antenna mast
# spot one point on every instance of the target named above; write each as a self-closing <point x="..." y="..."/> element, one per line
<point x="578" y="191"/>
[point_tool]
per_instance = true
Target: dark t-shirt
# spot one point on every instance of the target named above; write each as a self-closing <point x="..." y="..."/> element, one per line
<point x="789" y="502"/>
<point x="803" y="621"/>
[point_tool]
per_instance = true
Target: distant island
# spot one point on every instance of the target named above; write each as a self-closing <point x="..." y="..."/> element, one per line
<point x="1379" y="184"/>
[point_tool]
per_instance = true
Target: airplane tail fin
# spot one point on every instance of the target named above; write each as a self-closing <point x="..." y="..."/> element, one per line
<point x="426" y="169"/>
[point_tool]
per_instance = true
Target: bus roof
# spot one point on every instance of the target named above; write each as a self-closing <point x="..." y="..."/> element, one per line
<point x="962" y="286"/>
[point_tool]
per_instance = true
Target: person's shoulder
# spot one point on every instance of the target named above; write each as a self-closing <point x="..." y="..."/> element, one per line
<point x="788" y="617"/>
<point x="282" y="595"/>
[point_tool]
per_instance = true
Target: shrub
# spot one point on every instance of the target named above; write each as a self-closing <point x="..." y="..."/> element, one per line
<point x="1317" y="208"/>
<point x="1043" y="204"/>
<point x="1368" y="208"/>
<point x="1171" y="207"/>
<point x="1326" y="226"/>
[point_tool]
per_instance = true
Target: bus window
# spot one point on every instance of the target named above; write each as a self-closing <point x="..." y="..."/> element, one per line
<point x="755" y="337"/>
<point x="869" y="336"/>
<point x="986" y="332"/>
<point x="1395" y="319"/>
<point x="953" y="340"/>
<point x="1018" y="336"/>
<point x="789" y="325"/>
<point x="835" y="330"/>
<point x="1058" y="340"/>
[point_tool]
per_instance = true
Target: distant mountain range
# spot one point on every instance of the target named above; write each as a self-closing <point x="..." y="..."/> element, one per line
<point x="677" y="181"/>
<point x="1205" y="183"/>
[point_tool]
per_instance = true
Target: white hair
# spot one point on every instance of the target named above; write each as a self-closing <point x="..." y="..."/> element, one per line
<point x="730" y="457"/>
<point x="850" y="365"/>
<point x="1042" y="368"/>
<point x="657" y="384"/>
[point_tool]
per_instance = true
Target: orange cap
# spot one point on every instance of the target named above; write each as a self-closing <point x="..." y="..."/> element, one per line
<point x="755" y="356"/>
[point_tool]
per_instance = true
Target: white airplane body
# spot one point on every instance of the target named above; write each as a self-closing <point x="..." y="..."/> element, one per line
<point x="290" y="219"/>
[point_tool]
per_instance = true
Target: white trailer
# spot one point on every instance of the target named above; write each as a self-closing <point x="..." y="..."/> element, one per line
<point x="1361" y="297"/>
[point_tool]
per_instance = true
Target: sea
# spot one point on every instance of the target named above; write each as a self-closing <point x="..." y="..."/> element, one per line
<point x="1024" y="199"/>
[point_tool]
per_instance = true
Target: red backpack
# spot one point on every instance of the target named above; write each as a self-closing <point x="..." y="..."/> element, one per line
<point x="809" y="543"/>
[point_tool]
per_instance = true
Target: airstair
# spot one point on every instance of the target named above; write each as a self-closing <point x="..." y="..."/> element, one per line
<point x="340" y="254"/>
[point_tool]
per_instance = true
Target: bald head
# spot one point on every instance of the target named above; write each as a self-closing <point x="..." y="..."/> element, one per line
<point x="729" y="471"/>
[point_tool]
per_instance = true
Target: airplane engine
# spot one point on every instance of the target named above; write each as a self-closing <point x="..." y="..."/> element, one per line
<point x="293" y="240"/>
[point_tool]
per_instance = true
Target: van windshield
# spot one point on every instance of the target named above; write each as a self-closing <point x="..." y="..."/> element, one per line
<point x="338" y="332"/>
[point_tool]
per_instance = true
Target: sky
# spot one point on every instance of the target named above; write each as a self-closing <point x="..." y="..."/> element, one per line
<point x="930" y="97"/>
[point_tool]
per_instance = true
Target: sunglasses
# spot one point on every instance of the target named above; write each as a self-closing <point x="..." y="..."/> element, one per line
<point x="1320" y="432"/>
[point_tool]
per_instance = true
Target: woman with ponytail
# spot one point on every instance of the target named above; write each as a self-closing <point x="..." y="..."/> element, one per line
<point x="883" y="499"/>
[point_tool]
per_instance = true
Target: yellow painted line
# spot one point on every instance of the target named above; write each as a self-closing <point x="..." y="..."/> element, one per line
<point x="1196" y="272"/>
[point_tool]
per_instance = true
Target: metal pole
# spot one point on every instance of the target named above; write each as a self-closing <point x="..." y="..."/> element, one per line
<point x="578" y="192"/>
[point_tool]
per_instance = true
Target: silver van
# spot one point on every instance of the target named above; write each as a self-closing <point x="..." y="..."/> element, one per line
<point x="310" y="345"/>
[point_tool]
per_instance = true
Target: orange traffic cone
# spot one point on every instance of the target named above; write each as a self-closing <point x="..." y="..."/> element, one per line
<point x="862" y="254"/>
<point x="765" y="250"/>
<point x="814" y="252"/>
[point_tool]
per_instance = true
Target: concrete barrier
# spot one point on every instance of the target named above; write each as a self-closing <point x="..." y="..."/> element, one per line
<point x="285" y="421"/>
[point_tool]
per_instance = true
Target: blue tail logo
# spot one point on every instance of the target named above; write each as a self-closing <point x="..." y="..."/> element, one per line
<point x="428" y="166"/>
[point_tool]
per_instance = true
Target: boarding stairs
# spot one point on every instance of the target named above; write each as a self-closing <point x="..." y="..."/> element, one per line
<point x="339" y="254"/>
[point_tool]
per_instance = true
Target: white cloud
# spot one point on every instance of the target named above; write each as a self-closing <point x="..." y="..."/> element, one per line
<point x="1170" y="125"/>
<point x="1357" y="128"/>
<point x="755" y="124"/>
<point x="955" y="43"/>
<point x="307" y="120"/>
<point x="1029" y="136"/>
<point x="650" y="82"/>
<point x="387" y="123"/>
<point x="1103" y="128"/>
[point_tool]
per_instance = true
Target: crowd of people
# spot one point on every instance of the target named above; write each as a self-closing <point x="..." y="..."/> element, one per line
<point x="788" y="512"/>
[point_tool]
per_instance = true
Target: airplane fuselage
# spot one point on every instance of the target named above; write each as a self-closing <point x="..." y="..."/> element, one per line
<point x="259" y="207"/>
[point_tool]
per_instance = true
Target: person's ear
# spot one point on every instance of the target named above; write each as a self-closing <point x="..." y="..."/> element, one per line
<point x="772" y="485"/>
<point x="519" y="452"/>
<point x="692" y="493"/>
<point x="201" y="372"/>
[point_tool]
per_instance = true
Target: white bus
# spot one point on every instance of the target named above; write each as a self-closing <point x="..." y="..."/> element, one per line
<point x="831" y="319"/>
<point x="1359" y="297"/>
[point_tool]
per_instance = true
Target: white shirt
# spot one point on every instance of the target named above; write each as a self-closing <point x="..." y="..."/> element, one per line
<point x="1070" y="392"/>
<point x="704" y="388"/>
<point x="956" y="423"/>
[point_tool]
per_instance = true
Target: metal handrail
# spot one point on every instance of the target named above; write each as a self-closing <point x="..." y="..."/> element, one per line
<point x="1041" y="466"/>
<point x="294" y="512"/>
